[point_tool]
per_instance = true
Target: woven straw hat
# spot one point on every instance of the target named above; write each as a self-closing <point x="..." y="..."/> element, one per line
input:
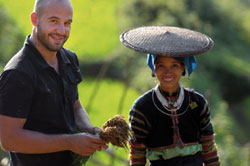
<point x="166" y="40"/>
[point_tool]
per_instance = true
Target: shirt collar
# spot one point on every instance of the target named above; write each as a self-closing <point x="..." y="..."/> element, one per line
<point x="65" y="59"/>
<point x="39" y="61"/>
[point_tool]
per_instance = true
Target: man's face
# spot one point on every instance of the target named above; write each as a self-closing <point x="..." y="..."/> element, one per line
<point x="54" y="24"/>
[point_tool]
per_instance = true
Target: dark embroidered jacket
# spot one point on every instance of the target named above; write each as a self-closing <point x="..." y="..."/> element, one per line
<point x="154" y="126"/>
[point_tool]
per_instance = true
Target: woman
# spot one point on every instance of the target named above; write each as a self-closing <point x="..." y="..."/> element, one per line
<point x="171" y="124"/>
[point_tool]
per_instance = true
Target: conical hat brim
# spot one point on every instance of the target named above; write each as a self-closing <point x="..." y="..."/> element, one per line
<point x="166" y="40"/>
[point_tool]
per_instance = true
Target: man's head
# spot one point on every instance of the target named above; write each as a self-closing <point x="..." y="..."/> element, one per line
<point x="51" y="21"/>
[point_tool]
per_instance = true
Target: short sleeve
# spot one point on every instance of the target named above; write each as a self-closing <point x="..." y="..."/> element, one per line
<point x="16" y="90"/>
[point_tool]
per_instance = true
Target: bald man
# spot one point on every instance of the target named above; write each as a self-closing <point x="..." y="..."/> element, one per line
<point x="40" y="110"/>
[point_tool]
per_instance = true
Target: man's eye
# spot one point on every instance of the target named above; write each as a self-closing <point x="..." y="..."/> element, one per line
<point x="54" y="21"/>
<point x="67" y="24"/>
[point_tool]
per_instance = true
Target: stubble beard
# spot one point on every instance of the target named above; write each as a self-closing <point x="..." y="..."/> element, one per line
<point x="44" y="40"/>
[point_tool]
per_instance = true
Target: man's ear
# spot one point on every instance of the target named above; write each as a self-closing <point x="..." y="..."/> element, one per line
<point x="34" y="18"/>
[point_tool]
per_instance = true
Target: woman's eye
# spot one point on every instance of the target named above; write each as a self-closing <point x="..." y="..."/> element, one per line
<point x="159" y="66"/>
<point x="176" y="65"/>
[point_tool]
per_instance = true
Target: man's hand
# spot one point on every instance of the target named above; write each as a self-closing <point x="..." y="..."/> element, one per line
<point x="94" y="130"/>
<point x="86" y="144"/>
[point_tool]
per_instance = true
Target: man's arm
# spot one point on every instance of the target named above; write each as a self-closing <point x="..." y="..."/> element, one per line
<point x="15" y="97"/>
<point x="14" y="138"/>
<point x="82" y="119"/>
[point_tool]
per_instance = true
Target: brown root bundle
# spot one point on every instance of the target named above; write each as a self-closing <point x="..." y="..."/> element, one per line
<point x="116" y="131"/>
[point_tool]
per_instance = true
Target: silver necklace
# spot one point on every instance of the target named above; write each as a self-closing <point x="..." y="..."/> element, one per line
<point x="165" y="104"/>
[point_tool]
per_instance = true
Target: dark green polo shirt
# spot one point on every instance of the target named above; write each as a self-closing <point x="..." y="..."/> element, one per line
<point x="31" y="89"/>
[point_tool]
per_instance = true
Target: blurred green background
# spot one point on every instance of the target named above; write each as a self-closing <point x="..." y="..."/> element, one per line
<point x="115" y="76"/>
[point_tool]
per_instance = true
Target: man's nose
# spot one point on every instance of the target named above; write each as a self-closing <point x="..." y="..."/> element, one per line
<point x="60" y="29"/>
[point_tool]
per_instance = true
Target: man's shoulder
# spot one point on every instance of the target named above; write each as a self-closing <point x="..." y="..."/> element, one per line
<point x="19" y="61"/>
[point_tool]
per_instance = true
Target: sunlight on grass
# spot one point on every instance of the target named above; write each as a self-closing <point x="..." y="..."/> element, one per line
<point x="106" y="102"/>
<point x="94" y="28"/>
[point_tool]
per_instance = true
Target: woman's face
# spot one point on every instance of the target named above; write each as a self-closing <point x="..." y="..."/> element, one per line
<point x="168" y="71"/>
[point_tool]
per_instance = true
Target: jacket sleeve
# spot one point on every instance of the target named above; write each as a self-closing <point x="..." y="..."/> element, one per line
<point x="140" y="127"/>
<point x="209" y="149"/>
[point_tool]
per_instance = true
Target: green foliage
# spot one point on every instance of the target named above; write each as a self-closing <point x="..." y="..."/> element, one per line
<point x="238" y="11"/>
<point x="116" y="156"/>
<point x="106" y="101"/>
<point x="10" y="37"/>
<point x="79" y="160"/>
<point x="159" y="12"/>
<point x="230" y="151"/>
<point x="94" y="30"/>
<point x="247" y="106"/>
